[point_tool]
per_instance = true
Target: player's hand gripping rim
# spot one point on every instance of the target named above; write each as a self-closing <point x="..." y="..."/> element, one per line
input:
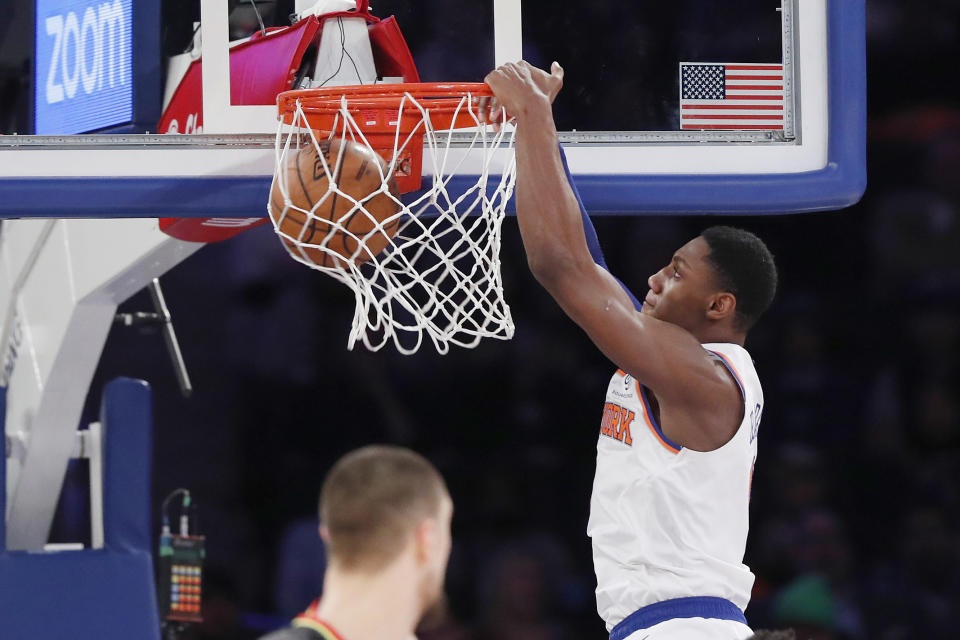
<point x="516" y="87"/>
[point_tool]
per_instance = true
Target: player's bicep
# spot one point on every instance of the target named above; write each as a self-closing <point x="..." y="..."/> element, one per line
<point x="656" y="353"/>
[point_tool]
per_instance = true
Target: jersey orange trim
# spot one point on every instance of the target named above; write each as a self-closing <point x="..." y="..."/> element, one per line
<point x="649" y="421"/>
<point x="319" y="626"/>
<point x="733" y="369"/>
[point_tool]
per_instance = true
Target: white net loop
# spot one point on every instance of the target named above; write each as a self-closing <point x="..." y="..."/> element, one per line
<point x="432" y="269"/>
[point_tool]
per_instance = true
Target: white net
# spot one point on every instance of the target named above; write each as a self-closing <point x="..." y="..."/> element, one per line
<point x="425" y="265"/>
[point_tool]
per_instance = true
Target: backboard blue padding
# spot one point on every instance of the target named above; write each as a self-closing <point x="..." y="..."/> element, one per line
<point x="840" y="184"/>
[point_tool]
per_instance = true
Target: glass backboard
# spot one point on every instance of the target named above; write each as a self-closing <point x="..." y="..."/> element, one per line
<point x="649" y="90"/>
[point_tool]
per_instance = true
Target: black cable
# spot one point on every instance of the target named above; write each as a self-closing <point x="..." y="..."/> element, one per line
<point x="166" y="502"/>
<point x="343" y="53"/>
<point x="355" y="69"/>
<point x="263" y="29"/>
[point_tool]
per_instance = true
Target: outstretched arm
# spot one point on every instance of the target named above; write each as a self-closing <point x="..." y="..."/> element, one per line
<point x="662" y="356"/>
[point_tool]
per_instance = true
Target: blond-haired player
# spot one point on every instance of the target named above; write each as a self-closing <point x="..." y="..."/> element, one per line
<point x="385" y="518"/>
<point x="677" y="443"/>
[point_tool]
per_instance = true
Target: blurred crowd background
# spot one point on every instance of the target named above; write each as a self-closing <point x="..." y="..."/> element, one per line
<point x="855" y="531"/>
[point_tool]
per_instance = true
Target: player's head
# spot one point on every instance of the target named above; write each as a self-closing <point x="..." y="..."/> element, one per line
<point x="387" y="508"/>
<point x="722" y="280"/>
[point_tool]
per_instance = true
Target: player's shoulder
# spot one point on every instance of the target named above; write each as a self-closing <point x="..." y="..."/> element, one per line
<point x="737" y="359"/>
<point x="728" y="349"/>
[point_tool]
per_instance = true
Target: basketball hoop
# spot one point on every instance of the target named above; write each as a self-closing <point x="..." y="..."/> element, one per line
<point x="392" y="117"/>
<point x="439" y="274"/>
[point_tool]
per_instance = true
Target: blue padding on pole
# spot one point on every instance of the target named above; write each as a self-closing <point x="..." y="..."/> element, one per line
<point x="125" y="413"/>
<point x="3" y="470"/>
<point x="105" y="594"/>
<point x="81" y="595"/>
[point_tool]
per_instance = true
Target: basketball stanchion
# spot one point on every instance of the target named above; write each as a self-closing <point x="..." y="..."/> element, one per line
<point x="422" y="256"/>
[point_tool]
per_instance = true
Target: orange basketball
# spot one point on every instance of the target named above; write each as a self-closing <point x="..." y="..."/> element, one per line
<point x="356" y="177"/>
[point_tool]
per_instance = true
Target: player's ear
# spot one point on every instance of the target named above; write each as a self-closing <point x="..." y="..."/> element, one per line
<point x="722" y="305"/>
<point x="325" y="534"/>
<point x="425" y="539"/>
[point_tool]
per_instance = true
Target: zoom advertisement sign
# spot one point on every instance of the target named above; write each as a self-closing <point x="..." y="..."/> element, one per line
<point x="84" y="71"/>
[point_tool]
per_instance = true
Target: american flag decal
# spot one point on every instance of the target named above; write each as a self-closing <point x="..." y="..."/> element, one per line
<point x="731" y="96"/>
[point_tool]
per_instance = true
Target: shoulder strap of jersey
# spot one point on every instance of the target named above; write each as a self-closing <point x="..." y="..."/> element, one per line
<point x="736" y="358"/>
<point x="310" y="620"/>
<point x="324" y="630"/>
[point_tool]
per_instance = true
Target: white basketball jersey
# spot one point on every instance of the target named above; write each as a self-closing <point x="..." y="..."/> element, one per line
<point x="668" y="522"/>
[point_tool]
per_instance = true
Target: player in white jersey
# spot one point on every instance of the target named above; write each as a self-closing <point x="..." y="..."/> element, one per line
<point x="678" y="438"/>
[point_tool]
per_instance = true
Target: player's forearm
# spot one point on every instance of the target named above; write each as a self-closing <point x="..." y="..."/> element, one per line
<point x="547" y="210"/>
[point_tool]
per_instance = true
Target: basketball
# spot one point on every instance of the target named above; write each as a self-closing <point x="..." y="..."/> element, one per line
<point x="356" y="205"/>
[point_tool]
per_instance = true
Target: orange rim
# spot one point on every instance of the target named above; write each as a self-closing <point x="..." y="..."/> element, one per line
<point x="379" y="104"/>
